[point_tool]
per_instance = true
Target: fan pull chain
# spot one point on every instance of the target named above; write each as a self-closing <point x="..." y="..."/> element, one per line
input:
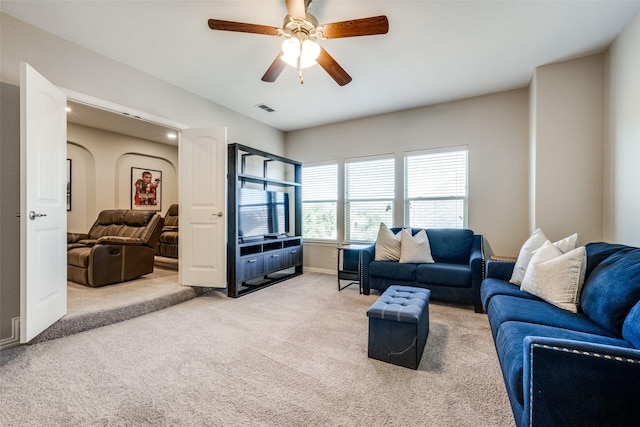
<point x="300" y="77"/>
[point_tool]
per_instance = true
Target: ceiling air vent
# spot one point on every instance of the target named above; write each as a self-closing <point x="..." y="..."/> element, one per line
<point x="265" y="108"/>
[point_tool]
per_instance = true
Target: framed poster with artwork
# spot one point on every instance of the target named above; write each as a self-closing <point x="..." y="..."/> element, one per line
<point x="146" y="191"/>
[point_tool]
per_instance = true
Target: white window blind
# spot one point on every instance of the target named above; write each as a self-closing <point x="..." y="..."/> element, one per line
<point x="436" y="188"/>
<point x="319" y="201"/>
<point x="369" y="195"/>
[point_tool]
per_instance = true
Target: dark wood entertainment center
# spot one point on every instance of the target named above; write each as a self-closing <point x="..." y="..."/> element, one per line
<point x="258" y="262"/>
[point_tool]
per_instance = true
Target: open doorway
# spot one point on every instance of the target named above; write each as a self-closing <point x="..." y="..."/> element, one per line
<point x="104" y="150"/>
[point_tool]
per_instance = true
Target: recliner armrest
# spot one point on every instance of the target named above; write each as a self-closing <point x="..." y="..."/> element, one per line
<point x="567" y="382"/>
<point x="76" y="237"/>
<point x="117" y="240"/>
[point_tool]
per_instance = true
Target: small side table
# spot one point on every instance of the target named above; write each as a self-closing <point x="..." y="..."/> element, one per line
<point x="349" y="269"/>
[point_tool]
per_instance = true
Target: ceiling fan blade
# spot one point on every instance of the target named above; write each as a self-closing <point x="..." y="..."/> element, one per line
<point x="356" y="27"/>
<point x="334" y="69"/>
<point x="297" y="9"/>
<point x="241" y="27"/>
<point x="274" y="69"/>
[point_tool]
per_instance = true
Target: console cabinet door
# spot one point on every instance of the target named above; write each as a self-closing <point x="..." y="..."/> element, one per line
<point x="274" y="260"/>
<point x="293" y="256"/>
<point x="249" y="267"/>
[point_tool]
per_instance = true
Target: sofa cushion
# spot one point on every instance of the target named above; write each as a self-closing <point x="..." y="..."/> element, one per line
<point x="492" y="287"/>
<point x="504" y="308"/>
<point x="598" y="252"/>
<point x="612" y="289"/>
<point x="138" y="218"/>
<point x="442" y="273"/>
<point x="393" y="270"/>
<point x="387" y="244"/>
<point x="631" y="326"/>
<point x="510" y="348"/>
<point x="169" y="237"/>
<point x="556" y="277"/>
<point x="450" y="245"/>
<point x="416" y="248"/>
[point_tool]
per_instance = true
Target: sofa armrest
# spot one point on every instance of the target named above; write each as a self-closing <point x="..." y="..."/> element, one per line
<point x="570" y="382"/>
<point x="76" y="237"/>
<point x="476" y="264"/>
<point x="499" y="269"/>
<point x="117" y="240"/>
<point x="366" y="256"/>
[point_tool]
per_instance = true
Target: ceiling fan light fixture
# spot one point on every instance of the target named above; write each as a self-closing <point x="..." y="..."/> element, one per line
<point x="300" y="55"/>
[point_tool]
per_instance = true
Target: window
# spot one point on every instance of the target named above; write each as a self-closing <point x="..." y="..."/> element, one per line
<point x="436" y="188"/>
<point x="319" y="201"/>
<point x="369" y="194"/>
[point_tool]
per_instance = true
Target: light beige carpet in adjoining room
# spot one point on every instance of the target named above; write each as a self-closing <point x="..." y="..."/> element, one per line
<point x="293" y="354"/>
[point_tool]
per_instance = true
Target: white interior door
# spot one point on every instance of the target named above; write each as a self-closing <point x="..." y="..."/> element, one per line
<point x="203" y="243"/>
<point x="43" y="206"/>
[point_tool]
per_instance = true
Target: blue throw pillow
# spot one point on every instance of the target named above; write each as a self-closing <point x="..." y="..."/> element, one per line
<point x="631" y="326"/>
<point x="612" y="289"/>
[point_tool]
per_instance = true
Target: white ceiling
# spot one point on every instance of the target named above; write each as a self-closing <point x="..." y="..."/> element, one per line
<point x="435" y="51"/>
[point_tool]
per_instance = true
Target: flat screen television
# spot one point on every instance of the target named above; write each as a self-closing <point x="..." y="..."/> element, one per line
<point x="262" y="213"/>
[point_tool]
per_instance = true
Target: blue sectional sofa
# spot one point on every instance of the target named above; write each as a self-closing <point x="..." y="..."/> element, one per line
<point x="455" y="276"/>
<point x="571" y="369"/>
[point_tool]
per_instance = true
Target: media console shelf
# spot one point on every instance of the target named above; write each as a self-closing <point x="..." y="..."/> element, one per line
<point x="260" y="261"/>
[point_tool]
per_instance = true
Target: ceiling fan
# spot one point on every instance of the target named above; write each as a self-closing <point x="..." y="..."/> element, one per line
<point x="301" y="30"/>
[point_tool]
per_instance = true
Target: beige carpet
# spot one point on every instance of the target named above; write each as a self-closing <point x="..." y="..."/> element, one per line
<point x="293" y="354"/>
<point x="89" y="308"/>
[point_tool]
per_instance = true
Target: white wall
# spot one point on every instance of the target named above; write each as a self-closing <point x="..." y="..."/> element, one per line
<point x="622" y="141"/>
<point x="73" y="67"/>
<point x="101" y="164"/>
<point x="494" y="127"/>
<point x="567" y="149"/>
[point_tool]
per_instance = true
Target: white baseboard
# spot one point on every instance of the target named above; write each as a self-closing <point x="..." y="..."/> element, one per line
<point x="14" y="339"/>
<point x="319" y="270"/>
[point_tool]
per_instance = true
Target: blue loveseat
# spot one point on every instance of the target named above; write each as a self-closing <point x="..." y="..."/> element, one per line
<point x="455" y="276"/>
<point x="571" y="369"/>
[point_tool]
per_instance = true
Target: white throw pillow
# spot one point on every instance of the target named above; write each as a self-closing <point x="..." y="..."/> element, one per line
<point x="387" y="244"/>
<point x="415" y="248"/>
<point x="529" y="248"/>
<point x="526" y="253"/>
<point x="556" y="277"/>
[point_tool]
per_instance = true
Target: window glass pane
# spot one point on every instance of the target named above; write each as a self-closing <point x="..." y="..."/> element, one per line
<point x="436" y="188"/>
<point x="319" y="201"/>
<point x="365" y="218"/>
<point x="369" y="197"/>
<point x="320" y="182"/>
<point x="436" y="213"/>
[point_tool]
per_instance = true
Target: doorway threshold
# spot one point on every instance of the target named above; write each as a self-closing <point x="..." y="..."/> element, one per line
<point x="89" y="308"/>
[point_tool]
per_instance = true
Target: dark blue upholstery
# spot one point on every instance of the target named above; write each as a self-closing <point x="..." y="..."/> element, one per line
<point x="509" y="344"/>
<point x="505" y="308"/>
<point x="492" y="287"/>
<point x="562" y="368"/>
<point x="399" y="326"/>
<point x="455" y="276"/>
<point x="612" y="289"/>
<point x="631" y="326"/>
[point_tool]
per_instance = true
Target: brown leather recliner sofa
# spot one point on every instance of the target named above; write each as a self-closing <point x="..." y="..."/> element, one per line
<point x="168" y="245"/>
<point x="120" y="246"/>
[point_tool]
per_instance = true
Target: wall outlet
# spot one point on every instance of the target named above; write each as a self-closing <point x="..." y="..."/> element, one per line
<point x="334" y="254"/>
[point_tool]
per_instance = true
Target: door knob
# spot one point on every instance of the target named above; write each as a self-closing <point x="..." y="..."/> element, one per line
<point x="219" y="214"/>
<point x="33" y="215"/>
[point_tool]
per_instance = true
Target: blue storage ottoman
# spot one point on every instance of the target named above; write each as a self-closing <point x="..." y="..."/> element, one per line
<point x="399" y="325"/>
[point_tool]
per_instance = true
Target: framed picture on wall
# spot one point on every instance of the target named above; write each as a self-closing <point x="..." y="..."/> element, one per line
<point x="68" y="184"/>
<point x="146" y="191"/>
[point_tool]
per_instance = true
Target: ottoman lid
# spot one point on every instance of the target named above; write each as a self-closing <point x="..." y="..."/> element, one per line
<point x="401" y="304"/>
